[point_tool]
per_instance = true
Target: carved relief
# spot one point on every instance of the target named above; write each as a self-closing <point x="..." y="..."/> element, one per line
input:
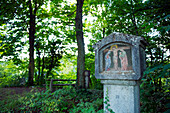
<point x="107" y="61"/>
<point x="117" y="58"/>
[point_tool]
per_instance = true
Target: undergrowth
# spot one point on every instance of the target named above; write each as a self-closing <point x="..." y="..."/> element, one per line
<point x="66" y="100"/>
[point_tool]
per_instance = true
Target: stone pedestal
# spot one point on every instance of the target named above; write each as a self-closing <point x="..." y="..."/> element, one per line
<point x="123" y="95"/>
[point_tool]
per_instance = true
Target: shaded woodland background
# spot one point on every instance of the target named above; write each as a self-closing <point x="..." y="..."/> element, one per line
<point x="44" y="39"/>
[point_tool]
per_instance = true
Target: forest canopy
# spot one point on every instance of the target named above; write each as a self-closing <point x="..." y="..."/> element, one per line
<point x="42" y="31"/>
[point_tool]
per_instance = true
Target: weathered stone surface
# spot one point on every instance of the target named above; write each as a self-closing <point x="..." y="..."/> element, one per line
<point x="124" y="98"/>
<point x="120" y="56"/>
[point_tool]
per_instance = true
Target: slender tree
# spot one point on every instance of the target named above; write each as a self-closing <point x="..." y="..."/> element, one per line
<point x="80" y="43"/>
<point x="31" y="41"/>
<point x="21" y="20"/>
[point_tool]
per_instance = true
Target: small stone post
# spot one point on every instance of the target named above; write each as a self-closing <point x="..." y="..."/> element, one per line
<point x="51" y="85"/>
<point x="120" y="63"/>
<point x="87" y="78"/>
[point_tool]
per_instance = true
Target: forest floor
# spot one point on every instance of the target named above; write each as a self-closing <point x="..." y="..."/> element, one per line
<point x="38" y="99"/>
<point x="21" y="91"/>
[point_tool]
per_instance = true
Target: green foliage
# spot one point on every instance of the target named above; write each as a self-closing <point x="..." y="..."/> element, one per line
<point x="62" y="100"/>
<point x="87" y="107"/>
<point x="68" y="67"/>
<point x="90" y="63"/>
<point x="11" y="75"/>
<point x="9" y="104"/>
<point x="15" y="24"/>
<point x="107" y="103"/>
<point x="10" y="101"/>
<point x="40" y="101"/>
<point x="95" y="83"/>
<point x="155" y="89"/>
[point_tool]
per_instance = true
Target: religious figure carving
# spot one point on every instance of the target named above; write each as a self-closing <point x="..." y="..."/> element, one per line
<point x="123" y="58"/>
<point x="115" y="56"/>
<point x="107" y="61"/>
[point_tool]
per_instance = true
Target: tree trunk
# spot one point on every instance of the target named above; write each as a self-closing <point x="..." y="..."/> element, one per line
<point x="39" y="64"/>
<point x="42" y="71"/>
<point x="51" y="65"/>
<point x="31" y="43"/>
<point x="80" y="43"/>
<point x="133" y="19"/>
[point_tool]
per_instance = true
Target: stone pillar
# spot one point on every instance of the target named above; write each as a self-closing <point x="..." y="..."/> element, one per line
<point x="119" y="63"/>
<point x="123" y="96"/>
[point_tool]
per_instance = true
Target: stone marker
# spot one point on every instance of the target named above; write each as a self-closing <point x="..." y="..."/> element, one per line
<point x="119" y="63"/>
<point x="87" y="78"/>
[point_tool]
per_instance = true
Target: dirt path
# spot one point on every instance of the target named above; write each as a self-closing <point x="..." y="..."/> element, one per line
<point x="5" y="92"/>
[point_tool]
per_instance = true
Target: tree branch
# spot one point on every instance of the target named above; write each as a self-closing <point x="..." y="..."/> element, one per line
<point x="72" y="13"/>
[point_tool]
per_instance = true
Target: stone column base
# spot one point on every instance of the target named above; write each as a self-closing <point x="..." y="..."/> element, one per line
<point x="123" y="95"/>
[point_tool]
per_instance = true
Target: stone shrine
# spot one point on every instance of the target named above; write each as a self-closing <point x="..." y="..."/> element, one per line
<point x="120" y="63"/>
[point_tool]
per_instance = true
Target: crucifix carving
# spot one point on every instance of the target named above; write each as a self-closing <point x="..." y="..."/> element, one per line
<point x="118" y="53"/>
